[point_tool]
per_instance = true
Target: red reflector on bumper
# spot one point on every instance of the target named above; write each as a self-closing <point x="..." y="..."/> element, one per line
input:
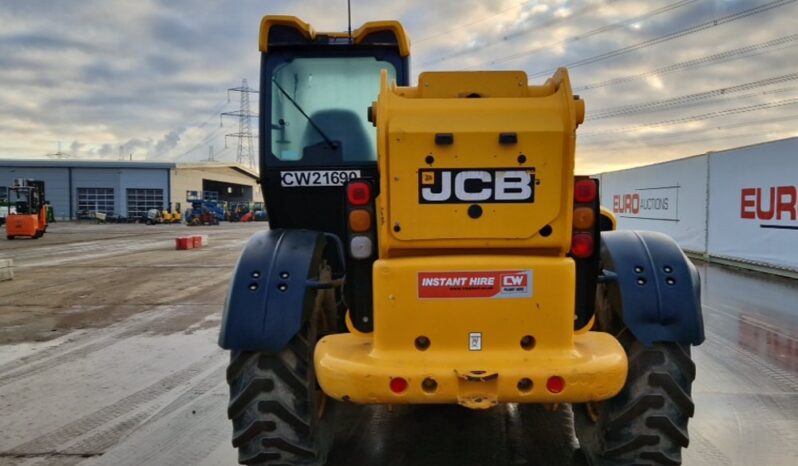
<point x="555" y="384"/>
<point x="398" y="385"/>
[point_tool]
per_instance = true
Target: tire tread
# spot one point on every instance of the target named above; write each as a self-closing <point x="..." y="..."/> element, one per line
<point x="268" y="396"/>
<point x="646" y="423"/>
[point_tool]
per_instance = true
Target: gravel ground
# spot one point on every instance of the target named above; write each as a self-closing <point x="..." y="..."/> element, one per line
<point x="108" y="356"/>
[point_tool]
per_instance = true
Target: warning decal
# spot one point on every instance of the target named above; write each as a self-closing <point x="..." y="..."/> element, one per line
<point x="487" y="284"/>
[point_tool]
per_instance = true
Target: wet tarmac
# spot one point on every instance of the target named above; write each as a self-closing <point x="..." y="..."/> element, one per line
<point x="99" y="368"/>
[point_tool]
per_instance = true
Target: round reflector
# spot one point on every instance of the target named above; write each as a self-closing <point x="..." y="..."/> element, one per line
<point x="359" y="220"/>
<point x="555" y="384"/>
<point x="358" y="193"/>
<point x="398" y="385"/>
<point x="584" y="218"/>
<point x="582" y="245"/>
<point x="585" y="191"/>
<point x="360" y="247"/>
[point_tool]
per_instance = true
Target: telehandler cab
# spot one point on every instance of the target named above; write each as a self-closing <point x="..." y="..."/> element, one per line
<point x="29" y="217"/>
<point x="450" y="256"/>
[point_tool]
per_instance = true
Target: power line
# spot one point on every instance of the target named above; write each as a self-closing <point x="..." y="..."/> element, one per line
<point x="700" y="117"/>
<point x="761" y="121"/>
<point x="766" y="137"/>
<point x="606" y="28"/>
<point x="212" y="135"/>
<point x="214" y="112"/>
<point x="742" y="52"/>
<point x="668" y="139"/>
<point x="698" y="102"/>
<point x="664" y="104"/>
<point x="533" y="27"/>
<point x="670" y="36"/>
<point x="208" y="138"/>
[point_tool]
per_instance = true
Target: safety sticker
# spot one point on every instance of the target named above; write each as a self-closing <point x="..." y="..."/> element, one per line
<point x="475" y="341"/>
<point x="483" y="284"/>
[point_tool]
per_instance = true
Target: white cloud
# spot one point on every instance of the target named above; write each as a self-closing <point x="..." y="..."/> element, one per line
<point x="151" y="75"/>
<point x="655" y="82"/>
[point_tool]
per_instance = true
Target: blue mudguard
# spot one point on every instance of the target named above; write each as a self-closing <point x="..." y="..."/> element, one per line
<point x="273" y="288"/>
<point x="657" y="286"/>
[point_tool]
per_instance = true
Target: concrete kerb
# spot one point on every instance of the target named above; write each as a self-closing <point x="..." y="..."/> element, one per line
<point x="6" y="269"/>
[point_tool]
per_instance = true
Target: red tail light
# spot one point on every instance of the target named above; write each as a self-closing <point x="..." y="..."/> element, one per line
<point x="585" y="191"/>
<point x="582" y="245"/>
<point x="358" y="193"/>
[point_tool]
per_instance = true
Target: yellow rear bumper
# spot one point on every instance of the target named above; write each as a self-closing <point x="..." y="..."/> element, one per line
<point x="448" y="300"/>
<point x="348" y="369"/>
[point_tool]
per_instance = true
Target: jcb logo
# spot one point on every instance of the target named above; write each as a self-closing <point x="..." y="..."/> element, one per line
<point x="453" y="186"/>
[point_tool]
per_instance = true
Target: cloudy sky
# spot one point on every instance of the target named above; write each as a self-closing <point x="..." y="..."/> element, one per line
<point x="663" y="79"/>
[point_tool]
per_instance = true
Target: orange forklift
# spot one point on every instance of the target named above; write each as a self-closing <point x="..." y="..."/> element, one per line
<point x="28" y="213"/>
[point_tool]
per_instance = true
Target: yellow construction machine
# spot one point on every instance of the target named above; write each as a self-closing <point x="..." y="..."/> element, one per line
<point x="172" y="215"/>
<point x="431" y="244"/>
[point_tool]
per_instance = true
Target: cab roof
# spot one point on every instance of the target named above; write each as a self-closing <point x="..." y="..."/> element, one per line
<point x="290" y="30"/>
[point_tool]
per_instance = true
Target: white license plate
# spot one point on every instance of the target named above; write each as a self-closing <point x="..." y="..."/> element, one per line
<point x="296" y="178"/>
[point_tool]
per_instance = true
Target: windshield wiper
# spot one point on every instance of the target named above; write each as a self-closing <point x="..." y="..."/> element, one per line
<point x="329" y="141"/>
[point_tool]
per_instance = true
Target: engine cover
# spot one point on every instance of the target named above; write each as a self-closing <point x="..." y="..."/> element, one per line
<point x="477" y="160"/>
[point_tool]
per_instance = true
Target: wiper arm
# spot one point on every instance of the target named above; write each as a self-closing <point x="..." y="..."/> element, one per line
<point x="329" y="141"/>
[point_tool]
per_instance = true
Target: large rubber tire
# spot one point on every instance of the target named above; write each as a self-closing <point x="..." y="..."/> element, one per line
<point x="280" y="416"/>
<point x="646" y="423"/>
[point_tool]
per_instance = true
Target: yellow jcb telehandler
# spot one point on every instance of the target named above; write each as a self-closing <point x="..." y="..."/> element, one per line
<point x="431" y="244"/>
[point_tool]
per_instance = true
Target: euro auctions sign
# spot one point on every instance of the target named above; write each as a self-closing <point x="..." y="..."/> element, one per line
<point x="650" y="203"/>
<point x="739" y="204"/>
<point x="468" y="284"/>
<point x="773" y="206"/>
<point x="753" y="204"/>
